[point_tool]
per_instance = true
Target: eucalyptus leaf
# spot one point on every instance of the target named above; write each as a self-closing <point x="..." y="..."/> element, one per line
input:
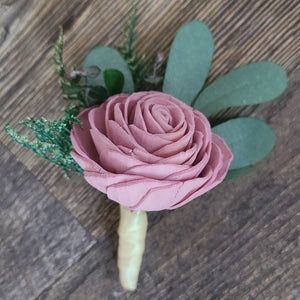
<point x="108" y="58"/>
<point x="92" y="71"/>
<point x="114" y="81"/>
<point x="249" y="139"/>
<point x="189" y="61"/>
<point x="250" y="84"/>
<point x="235" y="173"/>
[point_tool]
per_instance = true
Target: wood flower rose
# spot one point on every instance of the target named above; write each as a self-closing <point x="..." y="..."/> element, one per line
<point x="149" y="151"/>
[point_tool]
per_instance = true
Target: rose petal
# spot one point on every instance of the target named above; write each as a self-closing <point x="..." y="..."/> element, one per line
<point x="175" y="147"/>
<point x="161" y="114"/>
<point x="130" y="105"/>
<point x="183" y="157"/>
<point x="119" y="136"/>
<point x="173" y="136"/>
<point x="110" y="156"/>
<point x="152" y="125"/>
<point x="149" y="141"/>
<point x="96" y="119"/>
<point x="82" y="141"/>
<point x="202" y="125"/>
<point x="138" y="119"/>
<point x="84" y="162"/>
<point x="190" y="172"/>
<point x="193" y="188"/>
<point x="131" y="192"/>
<point x="157" y="171"/>
<point x="227" y="156"/>
<point x="119" y="116"/>
<point x="143" y="155"/>
<point x="159" y="198"/>
<point x="102" y="180"/>
<point x="215" y="160"/>
<point x="214" y="177"/>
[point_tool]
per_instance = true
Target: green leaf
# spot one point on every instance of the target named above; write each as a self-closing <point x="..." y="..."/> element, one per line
<point x="250" y="84"/>
<point x="249" y="139"/>
<point x="189" y="61"/>
<point x="114" y="81"/>
<point x="108" y="58"/>
<point x="96" y="95"/>
<point x="235" y="173"/>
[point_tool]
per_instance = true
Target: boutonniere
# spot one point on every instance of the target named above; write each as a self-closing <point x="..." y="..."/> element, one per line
<point x="147" y="138"/>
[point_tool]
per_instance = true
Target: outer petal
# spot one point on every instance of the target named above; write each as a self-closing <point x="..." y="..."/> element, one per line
<point x="157" y="171"/>
<point x="192" y="188"/>
<point x="216" y="171"/>
<point x="131" y="193"/>
<point x="102" y="180"/>
<point x="83" y="144"/>
<point x="190" y="172"/>
<point x="85" y="163"/>
<point x="227" y="156"/>
<point x="159" y="198"/>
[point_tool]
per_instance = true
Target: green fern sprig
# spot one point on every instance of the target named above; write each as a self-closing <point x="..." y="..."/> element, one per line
<point x="58" y="54"/>
<point x="74" y="85"/>
<point x="135" y="65"/>
<point x="71" y="88"/>
<point x="52" y="139"/>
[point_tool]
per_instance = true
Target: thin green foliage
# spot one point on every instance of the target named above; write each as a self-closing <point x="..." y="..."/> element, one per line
<point x="135" y="65"/>
<point x="74" y="85"/>
<point x="51" y="139"/>
<point x="72" y="90"/>
<point x="58" y="54"/>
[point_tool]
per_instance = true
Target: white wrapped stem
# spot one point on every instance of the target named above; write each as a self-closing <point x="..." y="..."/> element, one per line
<point x="132" y="234"/>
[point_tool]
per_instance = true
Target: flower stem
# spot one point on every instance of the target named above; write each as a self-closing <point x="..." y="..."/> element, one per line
<point x="132" y="234"/>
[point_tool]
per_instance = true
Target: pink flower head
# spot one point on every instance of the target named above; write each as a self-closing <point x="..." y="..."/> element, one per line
<point x="149" y="151"/>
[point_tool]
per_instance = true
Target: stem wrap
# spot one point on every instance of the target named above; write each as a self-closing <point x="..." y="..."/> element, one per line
<point x="132" y="234"/>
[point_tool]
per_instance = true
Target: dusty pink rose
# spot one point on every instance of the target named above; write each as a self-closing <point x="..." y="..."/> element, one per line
<point x="149" y="151"/>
